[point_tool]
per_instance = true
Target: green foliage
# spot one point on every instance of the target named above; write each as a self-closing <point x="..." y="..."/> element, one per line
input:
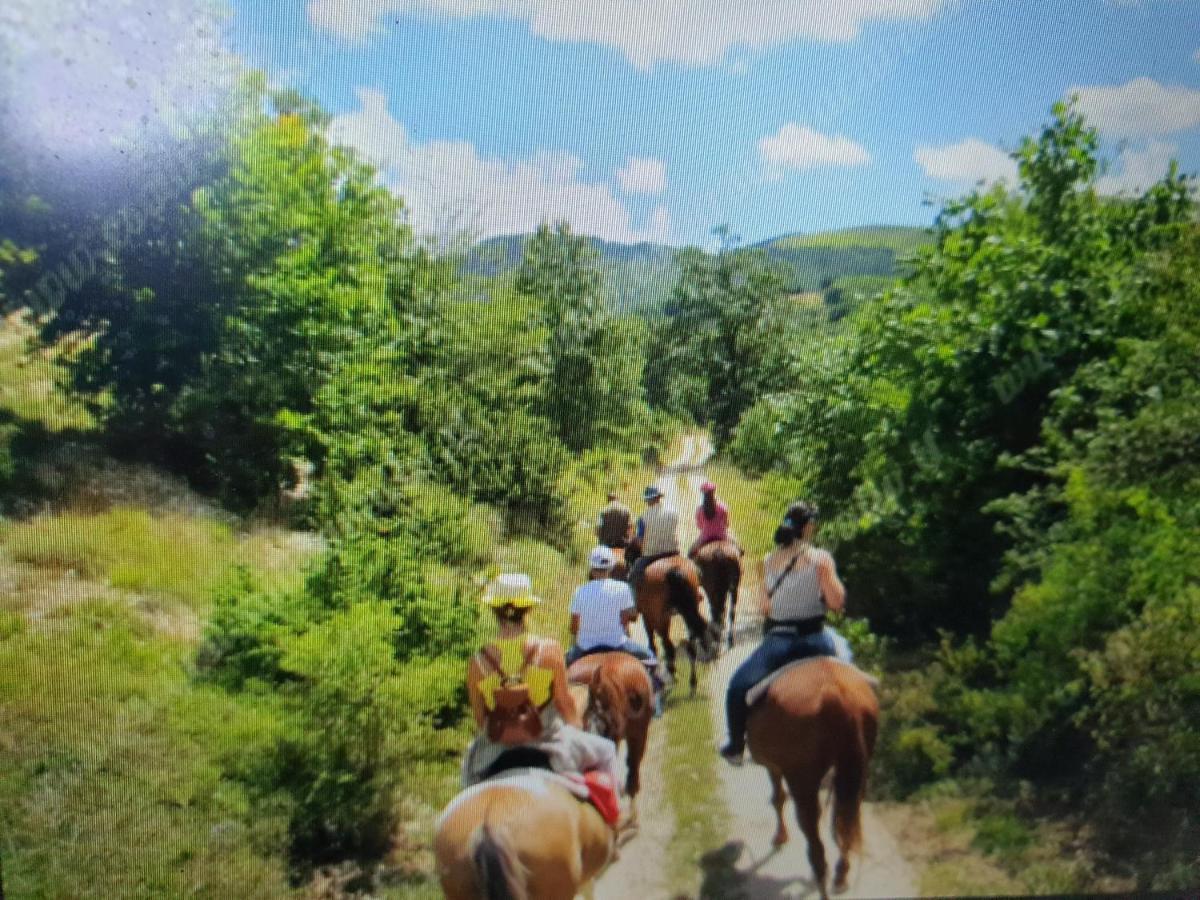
<point x="710" y="361"/>
<point x="593" y="386"/>
<point x="114" y="783"/>
<point x="344" y="764"/>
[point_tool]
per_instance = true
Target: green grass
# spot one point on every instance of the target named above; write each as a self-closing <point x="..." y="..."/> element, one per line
<point x="172" y="554"/>
<point x="693" y="790"/>
<point x="112" y="759"/>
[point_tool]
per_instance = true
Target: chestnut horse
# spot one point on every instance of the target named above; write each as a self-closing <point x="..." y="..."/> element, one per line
<point x="817" y="716"/>
<point x="668" y="586"/>
<point x="519" y="838"/>
<point x="720" y="565"/>
<point x="619" y="706"/>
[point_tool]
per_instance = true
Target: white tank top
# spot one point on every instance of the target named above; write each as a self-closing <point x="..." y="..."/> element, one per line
<point x="799" y="593"/>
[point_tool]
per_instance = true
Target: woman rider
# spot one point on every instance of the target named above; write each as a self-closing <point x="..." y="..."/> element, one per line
<point x="799" y="582"/>
<point x="513" y="662"/>
<point x="712" y="520"/>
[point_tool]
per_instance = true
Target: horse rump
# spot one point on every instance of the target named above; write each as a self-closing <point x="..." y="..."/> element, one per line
<point x="499" y="875"/>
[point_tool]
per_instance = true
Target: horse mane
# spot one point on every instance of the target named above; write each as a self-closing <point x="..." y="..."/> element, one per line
<point x="498" y="872"/>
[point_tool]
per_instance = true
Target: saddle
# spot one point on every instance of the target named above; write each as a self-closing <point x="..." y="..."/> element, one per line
<point x="595" y="788"/>
<point x="759" y="690"/>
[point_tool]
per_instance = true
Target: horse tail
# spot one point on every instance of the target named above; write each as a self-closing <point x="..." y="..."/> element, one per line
<point x="498" y="872"/>
<point x="849" y="786"/>
<point x="682" y="597"/>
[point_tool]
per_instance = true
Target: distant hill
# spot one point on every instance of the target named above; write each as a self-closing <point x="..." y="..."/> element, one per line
<point x="817" y="260"/>
<point x="639" y="277"/>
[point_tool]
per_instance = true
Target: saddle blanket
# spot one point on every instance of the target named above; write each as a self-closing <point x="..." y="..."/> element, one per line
<point x="596" y="788"/>
<point x="759" y="690"/>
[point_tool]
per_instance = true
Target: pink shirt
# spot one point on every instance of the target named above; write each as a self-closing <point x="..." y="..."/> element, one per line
<point x="716" y="528"/>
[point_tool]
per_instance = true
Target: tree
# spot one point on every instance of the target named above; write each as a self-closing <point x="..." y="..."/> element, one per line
<point x="593" y="386"/>
<point x="713" y="344"/>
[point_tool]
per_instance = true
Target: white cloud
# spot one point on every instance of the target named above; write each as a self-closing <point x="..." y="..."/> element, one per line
<point x="451" y="190"/>
<point x="690" y="32"/>
<point x="970" y="161"/>
<point x="1139" y="108"/>
<point x="800" y="147"/>
<point x="1138" y="168"/>
<point x="642" y="175"/>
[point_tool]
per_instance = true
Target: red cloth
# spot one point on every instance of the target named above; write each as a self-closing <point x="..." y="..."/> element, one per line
<point x="604" y="795"/>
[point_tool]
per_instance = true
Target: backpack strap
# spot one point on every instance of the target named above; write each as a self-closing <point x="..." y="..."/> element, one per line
<point x="784" y="574"/>
<point x="488" y="655"/>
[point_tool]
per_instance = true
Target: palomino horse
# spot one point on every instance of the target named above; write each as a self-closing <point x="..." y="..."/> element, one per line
<point x="619" y="706"/>
<point x="520" y="838"/>
<point x="720" y="564"/>
<point x="817" y="716"/>
<point x="668" y="586"/>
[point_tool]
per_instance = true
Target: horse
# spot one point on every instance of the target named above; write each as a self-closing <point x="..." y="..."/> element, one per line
<point x="720" y="564"/>
<point x="817" y="716"/>
<point x="518" y="838"/>
<point x="619" y="706"/>
<point x="620" y="569"/>
<point x="668" y="586"/>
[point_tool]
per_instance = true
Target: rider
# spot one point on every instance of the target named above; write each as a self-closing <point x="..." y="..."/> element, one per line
<point x="601" y="611"/>
<point x="517" y="685"/>
<point x="658" y="530"/>
<point x="799" y="582"/>
<point x="615" y="525"/>
<point x="712" y="520"/>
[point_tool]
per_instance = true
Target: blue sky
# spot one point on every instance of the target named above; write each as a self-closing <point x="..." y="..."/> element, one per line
<point x="492" y="115"/>
<point x="660" y="119"/>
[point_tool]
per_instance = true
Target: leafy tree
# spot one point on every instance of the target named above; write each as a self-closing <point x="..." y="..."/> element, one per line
<point x="593" y="383"/>
<point x="953" y="374"/>
<point x="711" y="355"/>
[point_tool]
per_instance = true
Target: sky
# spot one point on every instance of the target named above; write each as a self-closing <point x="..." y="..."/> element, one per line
<point x="661" y="119"/>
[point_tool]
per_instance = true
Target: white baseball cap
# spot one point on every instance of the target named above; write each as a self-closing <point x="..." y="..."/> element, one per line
<point x="601" y="558"/>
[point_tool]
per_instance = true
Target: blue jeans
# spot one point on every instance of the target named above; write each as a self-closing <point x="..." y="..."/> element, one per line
<point x="629" y="645"/>
<point x="776" y="651"/>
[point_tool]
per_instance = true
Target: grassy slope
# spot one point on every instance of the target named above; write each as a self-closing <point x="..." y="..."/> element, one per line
<point x="111" y="754"/>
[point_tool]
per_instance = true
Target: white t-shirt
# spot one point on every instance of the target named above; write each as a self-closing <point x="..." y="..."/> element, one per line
<point x="599" y="605"/>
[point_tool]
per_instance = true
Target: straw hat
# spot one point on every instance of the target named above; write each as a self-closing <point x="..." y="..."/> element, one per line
<point x="514" y="589"/>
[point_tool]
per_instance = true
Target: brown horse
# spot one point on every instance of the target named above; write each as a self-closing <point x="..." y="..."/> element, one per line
<point x="620" y="705"/>
<point x="720" y="564"/>
<point x="815" y="717"/>
<point x="520" y="838"/>
<point x="669" y="586"/>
